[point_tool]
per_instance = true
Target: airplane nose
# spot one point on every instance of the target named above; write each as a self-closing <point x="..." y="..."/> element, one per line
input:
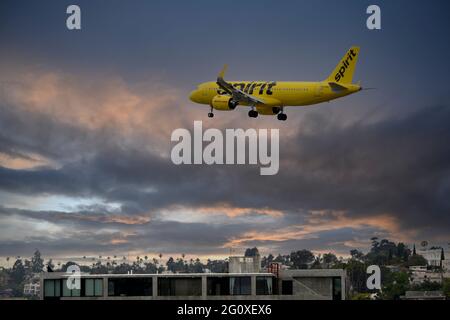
<point x="193" y="96"/>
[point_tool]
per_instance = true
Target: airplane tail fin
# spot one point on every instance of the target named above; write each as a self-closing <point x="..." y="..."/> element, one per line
<point x="343" y="73"/>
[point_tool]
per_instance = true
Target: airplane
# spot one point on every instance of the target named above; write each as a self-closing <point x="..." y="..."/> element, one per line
<point x="271" y="97"/>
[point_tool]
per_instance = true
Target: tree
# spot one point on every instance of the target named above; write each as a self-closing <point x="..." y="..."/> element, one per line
<point x="251" y="252"/>
<point x="171" y="264"/>
<point x="37" y="263"/>
<point x="356" y="255"/>
<point x="50" y="265"/>
<point x="427" y="285"/>
<point x="383" y="252"/>
<point x="329" y="258"/>
<point x="416" y="260"/>
<point x="395" y="285"/>
<point x="301" y="259"/>
<point x="446" y="287"/>
<point x="18" y="272"/>
<point x="356" y="271"/>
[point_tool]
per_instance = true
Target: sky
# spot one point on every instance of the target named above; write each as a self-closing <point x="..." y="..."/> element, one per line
<point x="86" y="118"/>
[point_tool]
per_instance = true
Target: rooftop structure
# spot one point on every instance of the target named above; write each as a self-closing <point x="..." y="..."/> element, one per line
<point x="290" y="284"/>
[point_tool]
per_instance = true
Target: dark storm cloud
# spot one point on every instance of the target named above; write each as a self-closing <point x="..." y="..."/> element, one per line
<point x="398" y="166"/>
<point x="83" y="231"/>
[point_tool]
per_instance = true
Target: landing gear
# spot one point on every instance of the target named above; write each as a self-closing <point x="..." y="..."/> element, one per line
<point x="211" y="114"/>
<point x="281" y="116"/>
<point x="253" y="114"/>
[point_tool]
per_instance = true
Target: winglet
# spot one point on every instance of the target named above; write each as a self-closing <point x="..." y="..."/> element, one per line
<point x="222" y="73"/>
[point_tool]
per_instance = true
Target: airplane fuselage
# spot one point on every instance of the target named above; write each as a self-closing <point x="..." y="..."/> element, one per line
<point x="276" y="93"/>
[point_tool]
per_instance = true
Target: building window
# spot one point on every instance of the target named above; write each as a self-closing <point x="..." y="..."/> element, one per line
<point x="129" y="287"/>
<point x="93" y="287"/>
<point x="69" y="292"/>
<point x="337" y="289"/>
<point x="179" y="286"/>
<point x="286" y="287"/>
<point x="263" y="285"/>
<point x="218" y="286"/>
<point x="52" y="288"/>
<point x="240" y="285"/>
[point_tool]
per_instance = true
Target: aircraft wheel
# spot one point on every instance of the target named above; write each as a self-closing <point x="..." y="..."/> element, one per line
<point x="253" y="114"/>
<point x="282" y="116"/>
<point x="210" y="115"/>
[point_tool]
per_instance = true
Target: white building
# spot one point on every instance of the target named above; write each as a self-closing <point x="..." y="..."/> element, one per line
<point x="419" y="274"/>
<point x="240" y="264"/>
<point x="433" y="256"/>
<point x="32" y="289"/>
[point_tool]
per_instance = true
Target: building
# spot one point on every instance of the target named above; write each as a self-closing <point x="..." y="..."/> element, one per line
<point x="289" y="284"/>
<point x="32" y="289"/>
<point x="241" y="264"/>
<point x="419" y="274"/>
<point x="434" y="256"/>
<point x="313" y="284"/>
<point x="446" y="265"/>
<point x="423" y="295"/>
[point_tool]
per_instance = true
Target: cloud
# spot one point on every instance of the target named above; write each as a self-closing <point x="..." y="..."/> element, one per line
<point x="315" y="224"/>
<point x="105" y="141"/>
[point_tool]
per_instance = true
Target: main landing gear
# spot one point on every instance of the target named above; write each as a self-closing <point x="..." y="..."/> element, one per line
<point x="252" y="113"/>
<point x="211" y="114"/>
<point x="282" y="116"/>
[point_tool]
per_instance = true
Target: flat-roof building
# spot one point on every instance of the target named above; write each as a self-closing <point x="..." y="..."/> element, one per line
<point x="325" y="284"/>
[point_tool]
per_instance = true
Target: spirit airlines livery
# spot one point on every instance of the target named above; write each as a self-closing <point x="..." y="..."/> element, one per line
<point x="271" y="97"/>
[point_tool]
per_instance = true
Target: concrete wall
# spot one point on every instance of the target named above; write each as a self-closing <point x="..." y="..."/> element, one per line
<point x="244" y="264"/>
<point x="307" y="285"/>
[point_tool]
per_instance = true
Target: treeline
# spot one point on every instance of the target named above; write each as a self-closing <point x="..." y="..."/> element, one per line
<point x="393" y="259"/>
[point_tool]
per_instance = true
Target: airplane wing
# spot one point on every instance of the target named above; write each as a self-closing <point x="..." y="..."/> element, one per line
<point x="237" y="94"/>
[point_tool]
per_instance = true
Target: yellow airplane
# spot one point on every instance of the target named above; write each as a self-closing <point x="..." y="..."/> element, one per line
<point x="271" y="97"/>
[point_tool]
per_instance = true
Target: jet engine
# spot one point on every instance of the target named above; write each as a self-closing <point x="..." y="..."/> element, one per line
<point x="223" y="102"/>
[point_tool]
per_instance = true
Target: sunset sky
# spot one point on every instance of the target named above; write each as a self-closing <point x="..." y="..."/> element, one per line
<point x="86" y="118"/>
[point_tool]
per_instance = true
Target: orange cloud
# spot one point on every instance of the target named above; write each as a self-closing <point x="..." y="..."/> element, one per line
<point x="109" y="218"/>
<point x="316" y="222"/>
<point x="97" y="102"/>
<point x="233" y="212"/>
<point x="27" y="161"/>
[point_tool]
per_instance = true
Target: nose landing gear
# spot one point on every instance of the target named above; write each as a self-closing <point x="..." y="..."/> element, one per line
<point x="211" y="114"/>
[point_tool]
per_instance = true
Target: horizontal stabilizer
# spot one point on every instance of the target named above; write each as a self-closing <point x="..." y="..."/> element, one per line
<point x="337" y="87"/>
